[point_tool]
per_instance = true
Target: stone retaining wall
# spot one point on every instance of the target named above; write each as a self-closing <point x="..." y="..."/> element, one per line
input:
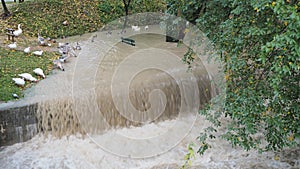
<point x="17" y="124"/>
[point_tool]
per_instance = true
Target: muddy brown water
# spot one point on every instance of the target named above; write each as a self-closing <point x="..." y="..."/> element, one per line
<point x="89" y="96"/>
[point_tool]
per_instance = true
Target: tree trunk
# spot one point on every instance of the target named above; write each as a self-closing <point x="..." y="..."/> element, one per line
<point x="5" y="9"/>
<point x="126" y="7"/>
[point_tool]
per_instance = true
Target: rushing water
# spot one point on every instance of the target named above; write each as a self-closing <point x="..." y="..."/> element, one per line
<point x="76" y="152"/>
<point x="84" y="111"/>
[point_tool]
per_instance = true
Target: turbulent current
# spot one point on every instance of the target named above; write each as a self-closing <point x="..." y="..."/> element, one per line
<point x="77" y="152"/>
<point x="117" y="107"/>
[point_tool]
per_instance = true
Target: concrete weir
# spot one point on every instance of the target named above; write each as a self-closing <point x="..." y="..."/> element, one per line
<point x="17" y="124"/>
<point x="110" y="85"/>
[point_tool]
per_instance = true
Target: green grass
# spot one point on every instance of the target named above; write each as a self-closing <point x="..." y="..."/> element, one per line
<point x="83" y="16"/>
<point x="13" y="63"/>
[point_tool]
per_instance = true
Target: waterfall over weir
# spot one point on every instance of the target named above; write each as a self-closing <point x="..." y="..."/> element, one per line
<point x="125" y="86"/>
<point x="136" y="106"/>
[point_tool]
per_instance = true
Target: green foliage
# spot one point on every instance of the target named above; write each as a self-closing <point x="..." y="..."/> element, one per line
<point x="259" y="43"/>
<point x="189" y="156"/>
<point x="13" y="63"/>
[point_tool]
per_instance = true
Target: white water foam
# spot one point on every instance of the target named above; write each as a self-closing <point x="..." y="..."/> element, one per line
<point x="77" y="152"/>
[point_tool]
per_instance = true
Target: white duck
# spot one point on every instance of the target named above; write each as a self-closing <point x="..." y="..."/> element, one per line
<point x="28" y="76"/>
<point x="15" y="95"/>
<point x="12" y="45"/>
<point x="19" y="31"/>
<point x="38" y="53"/>
<point x="39" y="72"/>
<point x="27" y="50"/>
<point x="19" y="81"/>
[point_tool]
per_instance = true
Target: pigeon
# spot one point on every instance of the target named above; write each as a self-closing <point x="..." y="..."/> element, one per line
<point x="41" y="40"/>
<point x="78" y="47"/>
<point x="58" y="64"/>
<point x="64" y="58"/>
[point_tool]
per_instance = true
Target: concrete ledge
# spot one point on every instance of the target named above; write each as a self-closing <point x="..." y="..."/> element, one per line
<point x="17" y="124"/>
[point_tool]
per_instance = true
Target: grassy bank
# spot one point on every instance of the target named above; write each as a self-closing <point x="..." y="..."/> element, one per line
<point x="47" y="16"/>
<point x="81" y="16"/>
<point x="13" y="63"/>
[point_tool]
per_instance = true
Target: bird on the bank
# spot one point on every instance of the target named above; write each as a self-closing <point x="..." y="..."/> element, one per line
<point x="27" y="50"/>
<point x="78" y="47"/>
<point x="41" y="40"/>
<point x="15" y="96"/>
<point x="39" y="72"/>
<point x="58" y="64"/>
<point x="18" y="32"/>
<point x="12" y="45"/>
<point x="38" y="53"/>
<point x="64" y="58"/>
<point x="19" y="81"/>
<point x="146" y="27"/>
<point x="93" y="37"/>
<point x="28" y="77"/>
<point x="136" y="28"/>
<point x="60" y="44"/>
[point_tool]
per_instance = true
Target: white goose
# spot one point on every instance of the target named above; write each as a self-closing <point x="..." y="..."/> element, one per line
<point x="28" y="76"/>
<point x="19" y="31"/>
<point x="12" y="45"/>
<point x="38" y="53"/>
<point x="19" y="81"/>
<point x="39" y="72"/>
<point x="27" y="50"/>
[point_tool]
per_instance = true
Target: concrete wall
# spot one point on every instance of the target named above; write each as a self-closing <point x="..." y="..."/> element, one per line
<point x="17" y="124"/>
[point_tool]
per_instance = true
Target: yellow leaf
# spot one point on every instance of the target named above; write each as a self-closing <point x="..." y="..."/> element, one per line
<point x="291" y="137"/>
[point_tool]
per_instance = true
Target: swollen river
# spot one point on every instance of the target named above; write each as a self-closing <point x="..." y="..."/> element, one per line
<point x="136" y="107"/>
<point x="76" y="152"/>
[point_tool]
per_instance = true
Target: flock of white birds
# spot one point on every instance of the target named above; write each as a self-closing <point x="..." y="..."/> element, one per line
<point x="65" y="49"/>
<point x="20" y="81"/>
